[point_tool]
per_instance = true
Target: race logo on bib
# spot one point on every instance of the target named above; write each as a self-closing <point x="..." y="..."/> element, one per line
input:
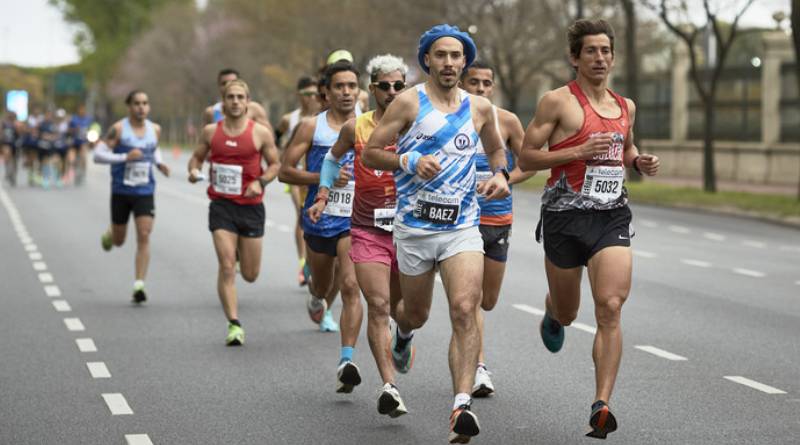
<point x="461" y="141"/>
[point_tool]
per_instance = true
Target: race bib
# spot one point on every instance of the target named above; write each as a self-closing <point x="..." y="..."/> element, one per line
<point x="603" y="183"/>
<point x="436" y="208"/>
<point x="136" y="174"/>
<point x="340" y="200"/>
<point x="384" y="218"/>
<point x="227" y="179"/>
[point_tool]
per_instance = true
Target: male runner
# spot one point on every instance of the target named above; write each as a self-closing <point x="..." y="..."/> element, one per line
<point x="234" y="147"/>
<point x="362" y="103"/>
<point x="374" y="204"/>
<point x="307" y="96"/>
<point x="214" y="113"/>
<point x="9" y="138"/>
<point x="78" y="151"/>
<point x="496" y="216"/>
<point x="135" y="150"/>
<point x="585" y="216"/>
<point x="328" y="239"/>
<point x="437" y="209"/>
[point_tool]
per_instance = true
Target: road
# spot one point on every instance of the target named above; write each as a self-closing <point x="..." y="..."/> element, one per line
<point x="711" y="332"/>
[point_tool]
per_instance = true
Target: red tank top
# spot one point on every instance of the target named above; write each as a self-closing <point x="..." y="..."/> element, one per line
<point x="235" y="163"/>
<point x="375" y="193"/>
<point x="593" y="124"/>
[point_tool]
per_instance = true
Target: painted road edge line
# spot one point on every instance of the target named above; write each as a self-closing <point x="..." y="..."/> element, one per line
<point x="528" y="309"/>
<point x="117" y="404"/>
<point x="74" y="324"/>
<point x="98" y="370"/>
<point x="137" y="439"/>
<point x="753" y="384"/>
<point x="696" y="263"/>
<point x="46" y="277"/>
<point x="61" y="306"/>
<point x="86" y="345"/>
<point x="52" y="290"/>
<point x="644" y="254"/>
<point x="749" y="273"/>
<point x="661" y="353"/>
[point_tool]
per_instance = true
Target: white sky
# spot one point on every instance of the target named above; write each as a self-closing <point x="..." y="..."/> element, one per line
<point x="35" y="34"/>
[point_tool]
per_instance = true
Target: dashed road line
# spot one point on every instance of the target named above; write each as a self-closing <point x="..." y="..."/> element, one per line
<point x="269" y="223"/>
<point x="660" y="353"/>
<point x="583" y="327"/>
<point x="137" y="439"/>
<point x="644" y="254"/>
<point x="51" y="290"/>
<point x="697" y="263"/>
<point x="31" y="247"/>
<point x="790" y="248"/>
<point x="98" y="370"/>
<point x="648" y="223"/>
<point x="749" y="273"/>
<point x="797" y="282"/>
<point x="284" y="228"/>
<point x="714" y="236"/>
<point x="61" y="306"/>
<point x="528" y="309"/>
<point x="86" y="345"/>
<point x="754" y="244"/>
<point x="35" y="256"/>
<point x="117" y="404"/>
<point x="679" y="229"/>
<point x="39" y="266"/>
<point x="46" y="277"/>
<point x="753" y="384"/>
<point x="74" y="324"/>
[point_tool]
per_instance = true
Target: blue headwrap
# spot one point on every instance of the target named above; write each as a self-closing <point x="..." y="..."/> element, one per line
<point x="445" y="30"/>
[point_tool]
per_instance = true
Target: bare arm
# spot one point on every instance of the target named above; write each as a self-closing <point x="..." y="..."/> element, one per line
<point x="513" y="127"/>
<point x="269" y="151"/>
<point x="398" y="116"/>
<point x="200" y="153"/>
<point x="259" y="114"/>
<point x="208" y="116"/>
<point x="490" y="137"/>
<point x="298" y="147"/>
<point x="644" y="163"/>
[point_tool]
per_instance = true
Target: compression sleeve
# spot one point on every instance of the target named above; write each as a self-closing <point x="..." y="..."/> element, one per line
<point x="104" y="155"/>
<point x="157" y="157"/>
<point x="330" y="171"/>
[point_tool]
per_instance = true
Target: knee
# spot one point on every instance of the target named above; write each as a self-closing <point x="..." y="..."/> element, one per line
<point x="350" y="287"/>
<point x="227" y="270"/>
<point x="463" y="311"/>
<point x="489" y="301"/>
<point x="250" y="275"/>
<point x="565" y="317"/>
<point x="416" y="318"/>
<point x="143" y="236"/>
<point x="118" y="241"/>
<point x="608" y="311"/>
<point x="377" y="308"/>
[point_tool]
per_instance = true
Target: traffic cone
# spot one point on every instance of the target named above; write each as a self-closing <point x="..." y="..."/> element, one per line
<point x="176" y="151"/>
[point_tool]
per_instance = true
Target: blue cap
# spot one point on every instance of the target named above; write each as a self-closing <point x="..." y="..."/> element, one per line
<point x="445" y="30"/>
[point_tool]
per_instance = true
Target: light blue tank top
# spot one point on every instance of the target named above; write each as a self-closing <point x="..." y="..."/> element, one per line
<point x="136" y="177"/>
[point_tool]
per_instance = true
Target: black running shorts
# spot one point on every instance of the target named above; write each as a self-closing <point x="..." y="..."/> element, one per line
<point x="572" y="237"/>
<point x="123" y="205"/>
<point x="495" y="241"/>
<point x="321" y="244"/>
<point x="243" y="220"/>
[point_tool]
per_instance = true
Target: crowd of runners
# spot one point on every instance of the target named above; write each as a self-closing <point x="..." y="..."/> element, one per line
<point x="388" y="198"/>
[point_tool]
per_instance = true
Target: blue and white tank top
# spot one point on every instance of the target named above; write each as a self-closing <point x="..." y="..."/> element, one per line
<point x="448" y="200"/>
<point x="135" y="177"/>
<point x="336" y="217"/>
<point x="217" y="111"/>
<point x="496" y="212"/>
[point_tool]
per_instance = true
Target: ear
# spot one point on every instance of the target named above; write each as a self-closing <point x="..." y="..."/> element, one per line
<point x="428" y="60"/>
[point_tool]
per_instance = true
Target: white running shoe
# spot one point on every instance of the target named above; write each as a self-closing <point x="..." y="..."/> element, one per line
<point x="316" y="308"/>
<point x="347" y="377"/>
<point x="483" y="386"/>
<point x="390" y="403"/>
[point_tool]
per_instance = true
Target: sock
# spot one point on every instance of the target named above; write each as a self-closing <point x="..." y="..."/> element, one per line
<point x="138" y="285"/>
<point x="404" y="335"/>
<point x="462" y="398"/>
<point x="235" y="321"/>
<point x="482" y="365"/>
<point x="347" y="354"/>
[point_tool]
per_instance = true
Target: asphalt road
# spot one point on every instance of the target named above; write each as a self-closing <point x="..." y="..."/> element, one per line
<point x="712" y="337"/>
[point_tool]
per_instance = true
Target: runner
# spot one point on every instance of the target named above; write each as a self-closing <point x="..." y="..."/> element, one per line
<point x="235" y="147"/>
<point x="30" y="144"/>
<point x="214" y="113"/>
<point x="437" y="210"/>
<point x="328" y="239"/>
<point x="362" y="103"/>
<point x="307" y="96"/>
<point x="374" y="206"/>
<point x="79" y="149"/>
<point x="135" y="150"/>
<point x="585" y="216"/>
<point x="496" y="216"/>
<point x="9" y="142"/>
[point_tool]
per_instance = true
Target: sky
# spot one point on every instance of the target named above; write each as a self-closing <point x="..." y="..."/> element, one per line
<point x="35" y="34"/>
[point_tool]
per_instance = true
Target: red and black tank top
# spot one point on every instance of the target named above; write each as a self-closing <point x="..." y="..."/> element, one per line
<point x="235" y="163"/>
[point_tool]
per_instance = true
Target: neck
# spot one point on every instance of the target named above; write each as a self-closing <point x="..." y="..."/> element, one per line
<point x="305" y="111"/>
<point x="135" y="121"/>
<point x="232" y="122"/>
<point x="593" y="89"/>
<point x="449" y="96"/>
<point x="378" y="114"/>
<point x="340" y="117"/>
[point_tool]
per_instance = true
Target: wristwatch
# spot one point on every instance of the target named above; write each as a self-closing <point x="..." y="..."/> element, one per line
<point x="504" y="171"/>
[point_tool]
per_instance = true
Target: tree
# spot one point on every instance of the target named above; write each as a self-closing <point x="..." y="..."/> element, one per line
<point x="705" y="81"/>
<point x="796" y="39"/>
<point x="632" y="68"/>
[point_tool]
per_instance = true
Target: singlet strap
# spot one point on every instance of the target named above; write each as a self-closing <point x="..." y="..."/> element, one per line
<point x="576" y="91"/>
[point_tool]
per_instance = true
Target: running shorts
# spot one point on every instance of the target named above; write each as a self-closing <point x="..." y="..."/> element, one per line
<point x="244" y="220"/>
<point x="123" y="205"/>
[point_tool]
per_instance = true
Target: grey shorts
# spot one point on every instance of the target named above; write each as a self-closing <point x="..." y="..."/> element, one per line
<point x="419" y="253"/>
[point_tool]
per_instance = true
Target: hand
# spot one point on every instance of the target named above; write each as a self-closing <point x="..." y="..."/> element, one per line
<point x="134" y="155"/>
<point x="164" y="169"/>
<point x="648" y="164"/>
<point x="428" y="167"/>
<point x="315" y="211"/>
<point x="253" y="189"/>
<point x="597" y="145"/>
<point x="496" y="188"/>
<point x="481" y="187"/>
<point x="195" y="175"/>
<point x="343" y="179"/>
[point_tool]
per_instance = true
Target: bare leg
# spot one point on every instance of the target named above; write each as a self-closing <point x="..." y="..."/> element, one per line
<point x="564" y="298"/>
<point x="322" y="275"/>
<point x="225" y="245"/>
<point x="493" y="272"/>
<point x="374" y="279"/>
<point x="352" y="309"/>
<point x="144" y="226"/>
<point x="250" y="257"/>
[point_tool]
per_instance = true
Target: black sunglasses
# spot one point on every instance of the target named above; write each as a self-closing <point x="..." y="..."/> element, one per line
<point x="398" y="85"/>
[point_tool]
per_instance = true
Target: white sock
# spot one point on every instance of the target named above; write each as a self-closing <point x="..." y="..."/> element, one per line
<point x="138" y="285"/>
<point x="461" y="399"/>
<point x="404" y="335"/>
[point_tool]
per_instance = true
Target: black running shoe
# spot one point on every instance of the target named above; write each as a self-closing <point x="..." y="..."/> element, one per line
<point x="139" y="296"/>
<point x="601" y="421"/>
<point x="463" y="424"/>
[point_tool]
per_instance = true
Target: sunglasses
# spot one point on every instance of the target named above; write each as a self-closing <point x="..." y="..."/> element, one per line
<point x="308" y="93"/>
<point x="398" y="85"/>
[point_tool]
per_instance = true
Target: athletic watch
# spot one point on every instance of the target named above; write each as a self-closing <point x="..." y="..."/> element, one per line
<point x="504" y="171"/>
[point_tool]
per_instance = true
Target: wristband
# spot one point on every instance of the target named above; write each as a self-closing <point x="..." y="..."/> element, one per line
<point x="408" y="162"/>
<point x="636" y="166"/>
<point x="321" y="197"/>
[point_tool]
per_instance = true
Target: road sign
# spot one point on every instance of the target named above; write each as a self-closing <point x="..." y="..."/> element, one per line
<point x="17" y="101"/>
<point x="68" y="84"/>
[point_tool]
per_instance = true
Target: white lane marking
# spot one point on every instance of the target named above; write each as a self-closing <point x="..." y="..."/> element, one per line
<point x="790" y="248"/>
<point x="35" y="256"/>
<point x="74" y="324"/>
<point x="714" y="236"/>
<point x="797" y="282"/>
<point x="753" y="384"/>
<point x="756" y="244"/>
<point x="644" y="254"/>
<point x="679" y="229"/>
<point x="696" y="263"/>
<point x="61" y="306"/>
<point x="648" y="223"/>
<point x="749" y="273"/>
<point x="46" y="277"/>
<point x="284" y="228"/>
<point x="660" y="353"/>
<point x="269" y="223"/>
<point x="25" y="239"/>
<point x="86" y="345"/>
<point x="31" y="247"/>
<point x="584" y="327"/>
<point x="98" y="370"/>
<point x="39" y="265"/>
<point x="438" y="279"/>
<point x="52" y="290"/>
<point x="117" y="404"/>
<point x="528" y="309"/>
<point x="137" y="439"/>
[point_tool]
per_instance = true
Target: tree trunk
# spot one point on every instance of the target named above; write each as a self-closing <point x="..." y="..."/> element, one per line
<point x="796" y="39"/>
<point x="632" y="71"/>
<point x="709" y="175"/>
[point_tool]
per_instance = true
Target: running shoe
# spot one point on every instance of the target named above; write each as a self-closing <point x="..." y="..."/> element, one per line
<point x="327" y="324"/>
<point x="347" y="377"/>
<point x="316" y="308"/>
<point x="402" y="353"/>
<point x="483" y="386"/>
<point x="105" y="241"/>
<point x="463" y="424"/>
<point x="601" y="422"/>
<point x="389" y="402"/>
<point x="235" y="335"/>
<point x="552" y="333"/>
<point x="139" y="296"/>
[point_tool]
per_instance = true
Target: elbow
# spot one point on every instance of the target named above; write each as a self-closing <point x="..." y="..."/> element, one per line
<point x="283" y="173"/>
